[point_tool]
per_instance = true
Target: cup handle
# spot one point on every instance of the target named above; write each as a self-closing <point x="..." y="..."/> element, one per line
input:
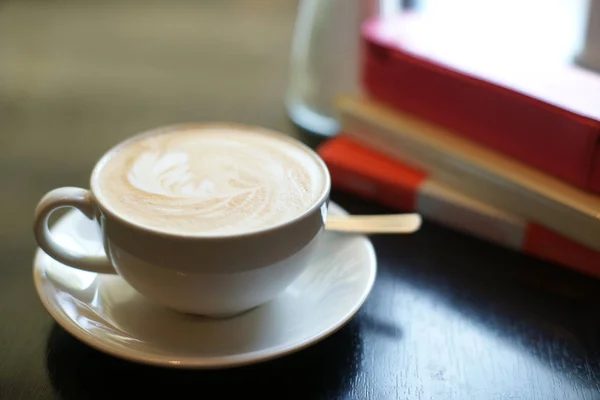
<point x="60" y="198"/>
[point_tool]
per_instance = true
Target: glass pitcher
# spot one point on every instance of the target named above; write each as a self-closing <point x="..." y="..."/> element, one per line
<point x="325" y="60"/>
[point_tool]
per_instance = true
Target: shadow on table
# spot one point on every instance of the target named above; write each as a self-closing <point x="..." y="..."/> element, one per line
<point x="544" y="310"/>
<point x="325" y="370"/>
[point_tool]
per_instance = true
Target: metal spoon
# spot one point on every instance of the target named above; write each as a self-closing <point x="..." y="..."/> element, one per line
<point x="373" y="224"/>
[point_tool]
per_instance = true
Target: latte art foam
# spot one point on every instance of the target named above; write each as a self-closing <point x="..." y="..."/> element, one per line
<point x="210" y="180"/>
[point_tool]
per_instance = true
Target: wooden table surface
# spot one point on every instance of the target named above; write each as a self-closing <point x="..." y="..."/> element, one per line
<point x="450" y="317"/>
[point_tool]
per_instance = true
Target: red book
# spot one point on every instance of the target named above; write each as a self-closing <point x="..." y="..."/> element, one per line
<point x="374" y="176"/>
<point x="541" y="113"/>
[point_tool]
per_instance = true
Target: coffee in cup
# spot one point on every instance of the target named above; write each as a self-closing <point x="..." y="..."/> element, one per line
<point x="209" y="219"/>
<point x="209" y="180"/>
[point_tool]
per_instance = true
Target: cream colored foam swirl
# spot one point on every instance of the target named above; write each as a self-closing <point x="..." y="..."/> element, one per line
<point x="223" y="182"/>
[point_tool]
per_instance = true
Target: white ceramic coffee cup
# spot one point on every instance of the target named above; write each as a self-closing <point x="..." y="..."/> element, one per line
<point x="208" y="275"/>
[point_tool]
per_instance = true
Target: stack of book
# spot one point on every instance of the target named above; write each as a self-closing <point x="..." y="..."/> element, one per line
<point x="509" y="153"/>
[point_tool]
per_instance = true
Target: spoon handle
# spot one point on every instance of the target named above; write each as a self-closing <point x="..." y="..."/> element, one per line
<point x="372" y="224"/>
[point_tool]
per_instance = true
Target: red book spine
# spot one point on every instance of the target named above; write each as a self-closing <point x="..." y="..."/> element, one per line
<point x="373" y="176"/>
<point x="511" y="116"/>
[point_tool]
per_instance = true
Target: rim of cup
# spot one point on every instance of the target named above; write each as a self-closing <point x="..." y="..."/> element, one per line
<point x="106" y="209"/>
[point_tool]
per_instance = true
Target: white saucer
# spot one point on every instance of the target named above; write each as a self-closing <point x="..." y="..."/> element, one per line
<point x="106" y="313"/>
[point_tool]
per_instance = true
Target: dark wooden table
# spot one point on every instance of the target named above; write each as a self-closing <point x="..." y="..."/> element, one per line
<point x="450" y="317"/>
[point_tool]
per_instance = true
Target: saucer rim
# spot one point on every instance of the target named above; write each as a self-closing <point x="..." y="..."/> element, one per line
<point x="195" y="362"/>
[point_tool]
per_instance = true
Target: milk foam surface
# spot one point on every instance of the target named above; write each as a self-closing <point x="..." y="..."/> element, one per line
<point x="210" y="180"/>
